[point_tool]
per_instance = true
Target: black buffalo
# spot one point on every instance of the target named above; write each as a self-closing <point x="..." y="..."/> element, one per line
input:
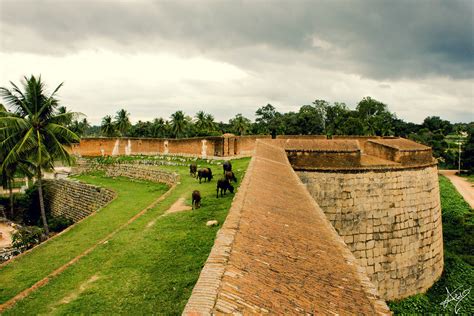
<point x="196" y="199"/>
<point x="193" y="169"/>
<point x="230" y="176"/>
<point x="227" y="166"/>
<point x="224" y="185"/>
<point x="205" y="173"/>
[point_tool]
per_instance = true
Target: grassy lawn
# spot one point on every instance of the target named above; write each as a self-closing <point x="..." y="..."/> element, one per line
<point x="458" y="235"/>
<point x="149" y="267"/>
<point x="24" y="271"/>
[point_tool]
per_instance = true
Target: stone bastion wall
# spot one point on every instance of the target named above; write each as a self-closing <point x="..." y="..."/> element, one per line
<point x="384" y="203"/>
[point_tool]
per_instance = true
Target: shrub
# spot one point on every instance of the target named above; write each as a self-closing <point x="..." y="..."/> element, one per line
<point x="59" y="223"/>
<point x="27" y="237"/>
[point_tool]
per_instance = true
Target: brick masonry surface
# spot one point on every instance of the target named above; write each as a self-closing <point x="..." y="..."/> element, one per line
<point x="73" y="199"/>
<point x="390" y="220"/>
<point x="278" y="253"/>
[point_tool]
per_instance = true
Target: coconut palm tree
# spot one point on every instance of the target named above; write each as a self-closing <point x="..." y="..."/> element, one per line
<point x="240" y="124"/>
<point x="178" y="123"/>
<point x="201" y="124"/>
<point x="210" y="124"/>
<point x="122" y="122"/>
<point x="158" y="128"/>
<point x="108" y="128"/>
<point x="34" y="131"/>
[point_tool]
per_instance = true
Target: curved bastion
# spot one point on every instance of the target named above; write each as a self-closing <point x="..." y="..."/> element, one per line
<point x="382" y="197"/>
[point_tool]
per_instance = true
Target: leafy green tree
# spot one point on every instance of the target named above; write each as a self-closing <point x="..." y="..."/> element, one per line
<point x="353" y="126"/>
<point x="35" y="131"/>
<point x="141" y="129"/>
<point x="122" y="122"/>
<point x="240" y="124"/>
<point x="375" y="117"/>
<point x="268" y="120"/>
<point x="310" y="120"/>
<point x="108" y="127"/>
<point x="178" y="124"/>
<point x="289" y="123"/>
<point x="436" y="125"/>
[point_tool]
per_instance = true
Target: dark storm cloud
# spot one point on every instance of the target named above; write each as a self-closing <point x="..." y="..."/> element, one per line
<point x="375" y="39"/>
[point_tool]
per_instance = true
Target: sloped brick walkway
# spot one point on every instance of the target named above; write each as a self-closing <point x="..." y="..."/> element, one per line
<point x="278" y="253"/>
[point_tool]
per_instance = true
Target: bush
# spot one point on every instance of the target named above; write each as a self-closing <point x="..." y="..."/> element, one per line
<point x="59" y="223"/>
<point x="27" y="237"/>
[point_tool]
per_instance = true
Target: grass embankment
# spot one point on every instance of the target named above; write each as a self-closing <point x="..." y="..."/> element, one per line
<point x="148" y="267"/>
<point x="458" y="236"/>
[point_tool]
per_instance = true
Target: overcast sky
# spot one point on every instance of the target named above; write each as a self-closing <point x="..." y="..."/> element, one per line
<point x="227" y="57"/>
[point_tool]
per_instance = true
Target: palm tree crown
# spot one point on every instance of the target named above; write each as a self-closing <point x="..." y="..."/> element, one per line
<point x="34" y="131"/>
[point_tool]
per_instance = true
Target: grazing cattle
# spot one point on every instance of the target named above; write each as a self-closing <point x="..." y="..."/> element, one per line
<point x="229" y="175"/>
<point x="205" y="173"/>
<point x="193" y="169"/>
<point x="196" y="199"/>
<point x="224" y="185"/>
<point x="227" y="166"/>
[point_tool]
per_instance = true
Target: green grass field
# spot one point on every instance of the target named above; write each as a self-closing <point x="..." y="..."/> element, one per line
<point x="149" y="267"/>
<point x="458" y="237"/>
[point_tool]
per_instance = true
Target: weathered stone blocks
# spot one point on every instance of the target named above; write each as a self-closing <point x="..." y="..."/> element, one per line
<point x="390" y="220"/>
<point x="73" y="199"/>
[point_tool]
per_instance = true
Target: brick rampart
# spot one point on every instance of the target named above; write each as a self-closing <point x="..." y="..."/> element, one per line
<point x="277" y="253"/>
<point x="74" y="200"/>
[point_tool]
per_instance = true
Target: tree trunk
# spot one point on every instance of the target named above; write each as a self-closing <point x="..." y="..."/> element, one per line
<point x="41" y="201"/>
<point x="10" y="188"/>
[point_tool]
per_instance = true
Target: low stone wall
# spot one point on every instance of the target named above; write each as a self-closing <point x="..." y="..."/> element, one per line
<point x="316" y="159"/>
<point x="74" y="200"/>
<point x="130" y="171"/>
<point x="391" y="221"/>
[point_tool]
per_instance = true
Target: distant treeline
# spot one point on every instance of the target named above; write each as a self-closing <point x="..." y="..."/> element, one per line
<point x="370" y="117"/>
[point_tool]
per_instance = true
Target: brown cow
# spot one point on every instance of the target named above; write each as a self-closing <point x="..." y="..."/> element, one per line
<point x="196" y="199"/>
<point x="227" y="166"/>
<point x="229" y="175"/>
<point x="205" y="173"/>
<point x="193" y="169"/>
<point x="224" y="185"/>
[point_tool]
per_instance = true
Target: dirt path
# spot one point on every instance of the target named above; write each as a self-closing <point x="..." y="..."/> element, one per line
<point x="464" y="187"/>
<point x="5" y="235"/>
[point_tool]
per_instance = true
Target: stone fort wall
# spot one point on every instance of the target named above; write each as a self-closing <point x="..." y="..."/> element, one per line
<point x="74" y="200"/>
<point x="390" y="220"/>
<point x="380" y="194"/>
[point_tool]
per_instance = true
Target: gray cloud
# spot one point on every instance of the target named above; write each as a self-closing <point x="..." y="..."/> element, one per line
<point x="416" y="56"/>
<point x="377" y="39"/>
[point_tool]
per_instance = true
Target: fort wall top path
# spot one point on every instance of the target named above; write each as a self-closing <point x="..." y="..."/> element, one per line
<point x="277" y="252"/>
